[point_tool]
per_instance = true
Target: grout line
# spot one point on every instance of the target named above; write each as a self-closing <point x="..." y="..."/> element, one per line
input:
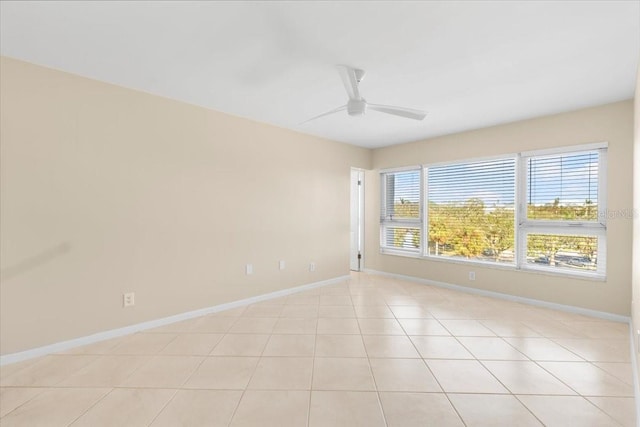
<point x="424" y="361"/>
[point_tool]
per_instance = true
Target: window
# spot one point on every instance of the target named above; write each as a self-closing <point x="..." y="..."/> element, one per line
<point x="563" y="223"/>
<point x="538" y="211"/>
<point x="401" y="213"/>
<point x="471" y="210"/>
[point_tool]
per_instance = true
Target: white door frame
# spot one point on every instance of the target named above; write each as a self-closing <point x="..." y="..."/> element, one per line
<point x="356" y="252"/>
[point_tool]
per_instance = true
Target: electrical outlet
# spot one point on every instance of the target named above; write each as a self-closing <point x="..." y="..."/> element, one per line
<point x="249" y="269"/>
<point x="282" y="265"/>
<point x="128" y="299"/>
<point x="472" y="275"/>
<point x="312" y="266"/>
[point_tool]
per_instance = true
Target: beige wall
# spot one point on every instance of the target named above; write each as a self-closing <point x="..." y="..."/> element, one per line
<point x="107" y="190"/>
<point x="612" y="123"/>
<point x="636" y="220"/>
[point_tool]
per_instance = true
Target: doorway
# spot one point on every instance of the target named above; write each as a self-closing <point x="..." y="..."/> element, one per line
<point x="357" y="220"/>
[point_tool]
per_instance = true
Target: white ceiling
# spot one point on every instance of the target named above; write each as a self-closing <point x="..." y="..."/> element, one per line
<point x="469" y="64"/>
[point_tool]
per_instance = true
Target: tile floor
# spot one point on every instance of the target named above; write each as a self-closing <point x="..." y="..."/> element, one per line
<point x="370" y="351"/>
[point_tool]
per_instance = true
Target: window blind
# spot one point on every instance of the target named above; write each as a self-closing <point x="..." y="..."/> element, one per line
<point x="400" y="215"/>
<point x="401" y="195"/>
<point x="563" y="187"/>
<point x="471" y="210"/>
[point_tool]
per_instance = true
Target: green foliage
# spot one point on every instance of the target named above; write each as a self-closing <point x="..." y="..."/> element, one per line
<point x="469" y="229"/>
<point x="406" y="209"/>
<point x="472" y="230"/>
<point x="587" y="211"/>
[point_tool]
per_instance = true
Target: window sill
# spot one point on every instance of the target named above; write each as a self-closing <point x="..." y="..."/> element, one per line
<point x="505" y="266"/>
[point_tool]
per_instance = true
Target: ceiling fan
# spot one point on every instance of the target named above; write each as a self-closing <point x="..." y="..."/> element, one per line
<point x="358" y="106"/>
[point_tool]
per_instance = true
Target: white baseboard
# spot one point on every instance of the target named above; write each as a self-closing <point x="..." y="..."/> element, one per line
<point x="114" y="333"/>
<point x="508" y="297"/>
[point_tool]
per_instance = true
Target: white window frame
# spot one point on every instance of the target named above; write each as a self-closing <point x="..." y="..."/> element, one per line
<point x="596" y="228"/>
<point x="522" y="225"/>
<point x="405" y="222"/>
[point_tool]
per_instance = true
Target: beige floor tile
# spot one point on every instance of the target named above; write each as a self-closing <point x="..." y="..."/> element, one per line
<point x="410" y="312"/>
<point x="423" y="327"/>
<point x="587" y="379"/>
<point x="214" y="324"/>
<point x="563" y="411"/>
<point x="490" y="410"/>
<point x="164" y="372"/>
<point x="369" y="301"/>
<point x="107" y="371"/>
<point x="450" y="311"/>
<point x="305" y="311"/>
<point x="263" y="311"/>
<point x="335" y="290"/>
<point x="48" y="371"/>
<point x="345" y="409"/>
<point x="435" y="347"/>
<point x="510" y="328"/>
<point x="176" y="327"/>
<point x="295" y="326"/>
<point x="336" y="311"/>
<point x="467" y="328"/>
<point x="372" y="311"/>
<point x="192" y="344"/>
<point x="419" y="410"/>
<point x="522" y="377"/>
<point x="290" y="345"/>
<point x="253" y="325"/>
<point x="143" y="344"/>
<point x="337" y="321"/>
<point x="393" y="298"/>
<point x="339" y="346"/>
<point x="98" y="348"/>
<point x="231" y="312"/>
<point x="600" y="329"/>
<point x="464" y="376"/>
<point x="342" y="374"/>
<point x="272" y="408"/>
<point x="12" y="368"/>
<point x="223" y="373"/>
<point x="336" y="300"/>
<point x="303" y="299"/>
<point x="133" y="407"/>
<point x="395" y="346"/>
<point x="13" y="397"/>
<point x="281" y="301"/>
<point x="621" y="371"/>
<point x="403" y="375"/>
<point x="553" y="329"/>
<point x="489" y="348"/>
<point x="380" y="327"/>
<point x="621" y="409"/>
<point x="54" y="407"/>
<point x="338" y="326"/>
<point x="211" y="408"/>
<point x="597" y="350"/>
<point x="543" y="349"/>
<point x="241" y="345"/>
<point x="282" y="373"/>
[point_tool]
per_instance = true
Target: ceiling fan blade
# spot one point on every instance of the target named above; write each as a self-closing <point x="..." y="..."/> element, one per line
<point x="348" y="76"/>
<point x="409" y="113"/>
<point x="335" y="110"/>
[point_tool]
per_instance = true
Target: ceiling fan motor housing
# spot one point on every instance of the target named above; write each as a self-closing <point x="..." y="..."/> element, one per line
<point x="356" y="107"/>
